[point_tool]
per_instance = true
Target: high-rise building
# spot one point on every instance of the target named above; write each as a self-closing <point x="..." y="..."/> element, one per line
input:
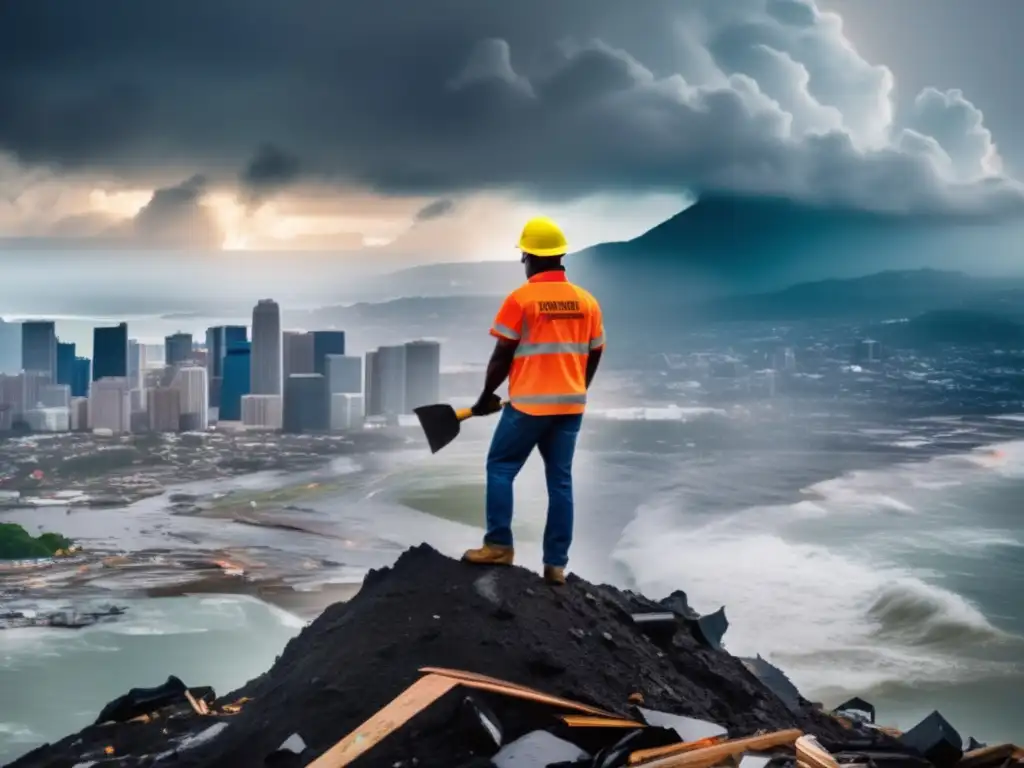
<point x="391" y="375"/>
<point x="10" y="348"/>
<point x="79" y="414"/>
<point x="265" y="360"/>
<point x="237" y="370"/>
<point x="344" y="374"/>
<point x="261" y="411"/>
<point x="346" y="411"/>
<point x="326" y="343"/>
<point x="190" y="381"/>
<point x="48" y="419"/>
<point x="218" y="340"/>
<point x="422" y="374"/>
<point x="12" y="393"/>
<point x="39" y="346"/>
<point x="110" y="405"/>
<point x="371" y="391"/>
<point x="178" y="348"/>
<point x="32" y="391"/>
<point x="81" y="375"/>
<point x="163" y="408"/>
<point x="55" y="396"/>
<point x="297" y="351"/>
<point x="65" y="362"/>
<point x="305" y="403"/>
<point x="110" y="352"/>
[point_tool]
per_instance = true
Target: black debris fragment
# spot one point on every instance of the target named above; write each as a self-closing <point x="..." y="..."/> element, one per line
<point x="935" y="740"/>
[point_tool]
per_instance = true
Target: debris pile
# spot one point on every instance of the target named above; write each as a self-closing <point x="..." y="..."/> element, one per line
<point x="438" y="664"/>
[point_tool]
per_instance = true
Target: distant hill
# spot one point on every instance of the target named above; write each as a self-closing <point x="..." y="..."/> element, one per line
<point x="883" y="295"/>
<point x="730" y="245"/>
<point x="954" y="326"/>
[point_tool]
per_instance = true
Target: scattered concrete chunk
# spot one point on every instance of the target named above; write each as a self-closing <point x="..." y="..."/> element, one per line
<point x="537" y="749"/>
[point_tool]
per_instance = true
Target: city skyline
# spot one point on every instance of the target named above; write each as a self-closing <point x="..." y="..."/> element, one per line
<point x="308" y="381"/>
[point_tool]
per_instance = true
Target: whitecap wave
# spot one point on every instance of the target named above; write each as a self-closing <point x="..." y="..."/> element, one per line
<point x="663" y="413"/>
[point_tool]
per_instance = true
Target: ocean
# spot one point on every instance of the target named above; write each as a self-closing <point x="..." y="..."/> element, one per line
<point x="884" y="560"/>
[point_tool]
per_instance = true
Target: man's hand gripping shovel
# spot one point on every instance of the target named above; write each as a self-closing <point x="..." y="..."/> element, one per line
<point x="441" y="422"/>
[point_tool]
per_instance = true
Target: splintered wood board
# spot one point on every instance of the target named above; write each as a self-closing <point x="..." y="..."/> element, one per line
<point x="812" y="754"/>
<point x="709" y="756"/>
<point x="988" y="755"/>
<point x="386" y="721"/>
<point x="643" y="755"/>
<point x="590" y="721"/>
<point x="494" y="685"/>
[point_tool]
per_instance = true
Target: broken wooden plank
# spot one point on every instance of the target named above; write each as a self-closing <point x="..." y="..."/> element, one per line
<point x="985" y="756"/>
<point x="514" y="690"/>
<point x="393" y="716"/>
<point x="643" y="755"/>
<point x="590" y="721"/>
<point x="717" y="753"/>
<point x="810" y="752"/>
<point x="193" y="703"/>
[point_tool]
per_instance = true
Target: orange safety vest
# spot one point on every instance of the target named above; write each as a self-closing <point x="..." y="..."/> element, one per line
<point x="557" y="324"/>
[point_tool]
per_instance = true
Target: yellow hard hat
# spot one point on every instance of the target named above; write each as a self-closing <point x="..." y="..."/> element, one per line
<point x="542" y="237"/>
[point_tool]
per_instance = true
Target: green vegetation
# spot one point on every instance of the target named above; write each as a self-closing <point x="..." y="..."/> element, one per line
<point x="18" y="544"/>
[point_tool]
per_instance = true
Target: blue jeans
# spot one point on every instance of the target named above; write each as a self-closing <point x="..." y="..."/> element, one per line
<point x="514" y="439"/>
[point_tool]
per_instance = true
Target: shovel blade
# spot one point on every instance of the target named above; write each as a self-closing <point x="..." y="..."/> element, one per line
<point x="441" y="424"/>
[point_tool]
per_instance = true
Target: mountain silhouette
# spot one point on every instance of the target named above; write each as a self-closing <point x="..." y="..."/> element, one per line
<point x="954" y="326"/>
<point x="731" y="245"/>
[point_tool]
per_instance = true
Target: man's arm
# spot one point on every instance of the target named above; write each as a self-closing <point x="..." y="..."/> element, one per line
<point x="593" y="361"/>
<point x="596" y="342"/>
<point x="499" y="366"/>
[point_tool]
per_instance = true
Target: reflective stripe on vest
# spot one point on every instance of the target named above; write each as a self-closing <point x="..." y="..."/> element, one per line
<point x="574" y="399"/>
<point x="505" y="331"/>
<point x="529" y="349"/>
<point x="598" y="342"/>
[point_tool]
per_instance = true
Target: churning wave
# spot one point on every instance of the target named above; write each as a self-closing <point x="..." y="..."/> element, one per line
<point x="836" y="614"/>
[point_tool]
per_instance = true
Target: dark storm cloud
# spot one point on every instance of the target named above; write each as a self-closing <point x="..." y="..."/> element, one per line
<point x="557" y="98"/>
<point x="269" y="171"/>
<point x="436" y="209"/>
<point x="174" y="217"/>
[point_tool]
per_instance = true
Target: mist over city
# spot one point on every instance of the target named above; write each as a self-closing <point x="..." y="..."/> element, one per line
<point x="291" y="293"/>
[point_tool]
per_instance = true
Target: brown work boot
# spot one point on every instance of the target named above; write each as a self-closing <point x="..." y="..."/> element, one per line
<point x="554" y="575"/>
<point x="490" y="554"/>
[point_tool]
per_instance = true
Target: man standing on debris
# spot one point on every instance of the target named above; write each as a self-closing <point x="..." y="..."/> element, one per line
<point x="550" y="338"/>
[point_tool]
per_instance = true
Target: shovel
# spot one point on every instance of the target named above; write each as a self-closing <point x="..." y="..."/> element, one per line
<point x="441" y="423"/>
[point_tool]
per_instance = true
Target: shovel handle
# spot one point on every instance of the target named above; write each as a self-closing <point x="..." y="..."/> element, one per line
<point x="467" y="413"/>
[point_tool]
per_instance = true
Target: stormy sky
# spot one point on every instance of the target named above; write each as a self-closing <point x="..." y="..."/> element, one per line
<point x="435" y="126"/>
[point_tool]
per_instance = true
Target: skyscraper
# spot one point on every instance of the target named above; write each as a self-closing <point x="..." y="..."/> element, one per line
<point x="110" y="352"/>
<point x="391" y="375"/>
<point x="39" y="346"/>
<point x="371" y="391"/>
<point x="344" y="374"/>
<point x="265" y="360"/>
<point x="10" y="348"/>
<point x="326" y="343"/>
<point x="65" y="362"/>
<point x="236" y="383"/>
<point x="219" y="339"/>
<point x="178" y="348"/>
<point x="305" y="403"/>
<point x="190" y="381"/>
<point x="81" y="375"/>
<point x="163" y="407"/>
<point x="422" y="373"/>
<point x="297" y="352"/>
<point x="110" y="405"/>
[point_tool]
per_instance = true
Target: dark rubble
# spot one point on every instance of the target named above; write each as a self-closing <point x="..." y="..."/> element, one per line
<point x="578" y="642"/>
